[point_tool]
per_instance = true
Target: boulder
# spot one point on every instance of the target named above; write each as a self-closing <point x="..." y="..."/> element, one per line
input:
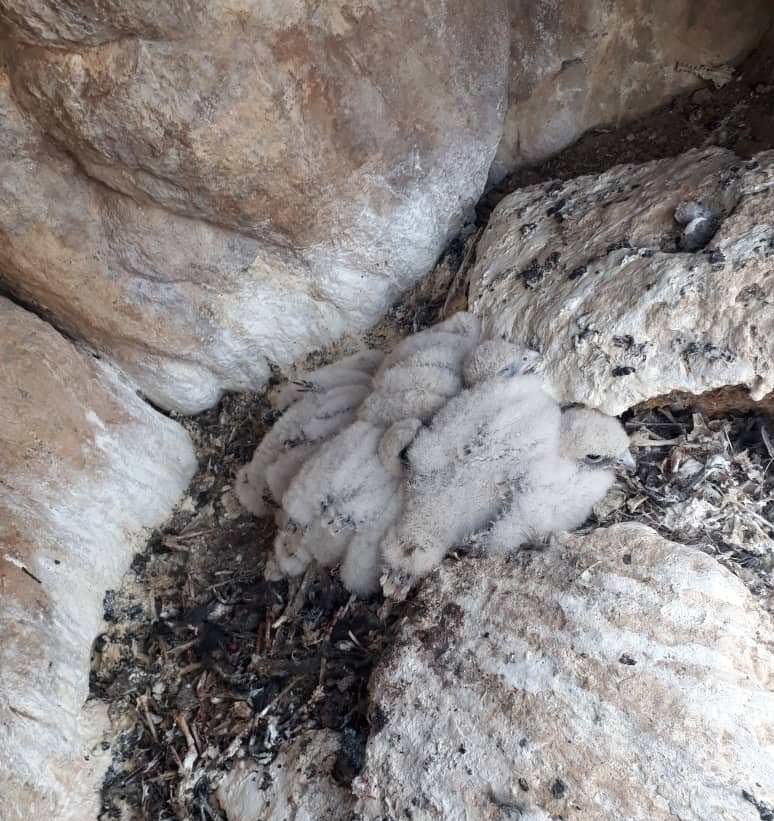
<point x="227" y="187"/>
<point x="217" y="202"/>
<point x="298" y="784"/>
<point x="86" y="468"/>
<point x="357" y="136"/>
<point x="564" y="55"/>
<point x="625" y="291"/>
<point x="612" y="675"/>
<point x="184" y="308"/>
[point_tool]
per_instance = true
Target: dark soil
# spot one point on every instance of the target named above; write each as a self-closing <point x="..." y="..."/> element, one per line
<point x="203" y="659"/>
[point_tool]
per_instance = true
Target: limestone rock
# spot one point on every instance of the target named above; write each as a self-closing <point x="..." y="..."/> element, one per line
<point x="298" y="784"/>
<point x="245" y="189"/>
<point x="355" y="134"/>
<point x="93" y="22"/>
<point x="596" y="274"/>
<point x="578" y="65"/>
<point x="613" y="675"/>
<point x="85" y="469"/>
<point x="185" y="308"/>
<point x="231" y="185"/>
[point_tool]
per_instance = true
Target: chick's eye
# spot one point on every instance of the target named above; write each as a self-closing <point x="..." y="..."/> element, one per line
<point x="593" y="457"/>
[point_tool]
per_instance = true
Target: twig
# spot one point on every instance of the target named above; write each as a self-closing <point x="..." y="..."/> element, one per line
<point x="276" y="698"/>
<point x="462" y="271"/>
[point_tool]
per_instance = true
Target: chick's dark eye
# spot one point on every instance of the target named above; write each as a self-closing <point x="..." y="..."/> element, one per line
<point x="593" y="457"/>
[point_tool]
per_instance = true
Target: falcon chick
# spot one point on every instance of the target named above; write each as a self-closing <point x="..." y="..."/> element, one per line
<point x="315" y="408"/>
<point x="558" y="492"/>
<point x="462" y="468"/>
<point x="382" y="464"/>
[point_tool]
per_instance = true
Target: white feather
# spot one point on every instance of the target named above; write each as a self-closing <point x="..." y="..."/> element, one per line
<point x="352" y="370"/>
<point x="309" y="420"/>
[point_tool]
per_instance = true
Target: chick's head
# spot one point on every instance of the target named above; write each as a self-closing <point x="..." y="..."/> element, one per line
<point x="496" y="357"/>
<point x="595" y="440"/>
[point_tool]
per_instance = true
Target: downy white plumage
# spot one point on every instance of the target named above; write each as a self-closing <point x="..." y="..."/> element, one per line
<point x="559" y="491"/>
<point x="315" y="408"/>
<point x="383" y="464"/>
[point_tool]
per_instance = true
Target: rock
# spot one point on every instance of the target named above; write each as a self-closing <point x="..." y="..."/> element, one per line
<point x="94" y="22"/>
<point x="225" y="187"/>
<point x="86" y="468"/>
<point x="185" y="308"/>
<point x="298" y="784"/>
<point x="595" y="274"/>
<point x="563" y="56"/>
<point x="178" y="304"/>
<point x="613" y="675"/>
<point x="291" y="127"/>
<point x="239" y="213"/>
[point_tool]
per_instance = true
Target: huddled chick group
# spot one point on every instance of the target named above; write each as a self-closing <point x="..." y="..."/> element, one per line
<point x="384" y="463"/>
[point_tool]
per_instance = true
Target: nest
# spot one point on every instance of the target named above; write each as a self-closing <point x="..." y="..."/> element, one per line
<point x="707" y="483"/>
<point x="205" y="662"/>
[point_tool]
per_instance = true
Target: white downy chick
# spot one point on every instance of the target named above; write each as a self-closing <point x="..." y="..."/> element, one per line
<point x="497" y="372"/>
<point x="343" y="479"/>
<point x="357" y="369"/>
<point x="307" y="422"/>
<point x="462" y="324"/>
<point x="496" y="357"/>
<point x="559" y="492"/>
<point x="341" y="494"/>
<point x="295" y="547"/>
<point x="462" y="468"/>
<point x="362" y="564"/>
<point x="291" y="557"/>
<point x="422" y="373"/>
<point x="295" y="436"/>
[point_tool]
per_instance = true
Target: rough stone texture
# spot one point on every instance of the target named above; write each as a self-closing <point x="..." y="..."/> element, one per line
<point x="335" y="171"/>
<point x="297" y="785"/>
<point x="94" y="22"/>
<point x="85" y="469"/>
<point x="590" y="273"/>
<point x="239" y="183"/>
<point x="299" y="128"/>
<point x="614" y="675"/>
<point x="577" y="65"/>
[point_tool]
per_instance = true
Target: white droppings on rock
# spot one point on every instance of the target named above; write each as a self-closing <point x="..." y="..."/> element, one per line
<point x="613" y="675"/>
<point x="297" y="785"/>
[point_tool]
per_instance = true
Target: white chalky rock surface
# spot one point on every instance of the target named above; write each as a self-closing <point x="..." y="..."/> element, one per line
<point x="297" y="785"/>
<point x="86" y="470"/>
<point x="613" y="675"/>
<point x="589" y="272"/>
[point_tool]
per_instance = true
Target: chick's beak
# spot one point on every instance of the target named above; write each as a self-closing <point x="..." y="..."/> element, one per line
<point x="627" y="462"/>
<point x="531" y="361"/>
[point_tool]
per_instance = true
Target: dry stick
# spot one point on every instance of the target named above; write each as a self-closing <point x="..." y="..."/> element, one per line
<point x="190" y="740"/>
<point x="294" y="606"/>
<point x="462" y="270"/>
<point x="338" y="615"/>
<point x="276" y="698"/>
<point x="143" y="702"/>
